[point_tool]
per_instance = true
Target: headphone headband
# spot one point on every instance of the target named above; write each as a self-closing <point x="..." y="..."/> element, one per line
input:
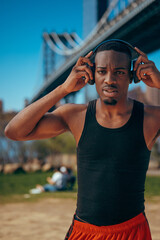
<point x="134" y="53"/>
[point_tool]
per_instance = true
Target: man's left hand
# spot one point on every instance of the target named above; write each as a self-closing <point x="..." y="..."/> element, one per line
<point x="146" y="70"/>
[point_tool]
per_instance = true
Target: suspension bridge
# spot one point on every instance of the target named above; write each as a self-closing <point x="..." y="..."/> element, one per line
<point x="135" y="21"/>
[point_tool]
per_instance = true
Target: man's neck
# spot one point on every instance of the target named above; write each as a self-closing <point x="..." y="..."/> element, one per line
<point x="122" y="107"/>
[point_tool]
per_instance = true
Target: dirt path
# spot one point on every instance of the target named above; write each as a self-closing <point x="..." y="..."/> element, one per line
<point x="50" y="219"/>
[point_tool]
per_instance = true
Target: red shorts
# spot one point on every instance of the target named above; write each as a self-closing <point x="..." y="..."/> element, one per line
<point x="136" y="228"/>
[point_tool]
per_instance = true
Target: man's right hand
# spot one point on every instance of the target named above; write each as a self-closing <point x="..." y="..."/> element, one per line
<point x="80" y="74"/>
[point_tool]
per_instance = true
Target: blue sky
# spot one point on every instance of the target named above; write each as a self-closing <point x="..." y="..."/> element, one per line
<point x="22" y="23"/>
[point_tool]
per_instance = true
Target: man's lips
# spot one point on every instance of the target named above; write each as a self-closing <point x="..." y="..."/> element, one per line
<point x="110" y="91"/>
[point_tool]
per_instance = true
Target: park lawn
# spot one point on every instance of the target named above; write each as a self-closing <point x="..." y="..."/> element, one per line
<point x="152" y="187"/>
<point x="15" y="187"/>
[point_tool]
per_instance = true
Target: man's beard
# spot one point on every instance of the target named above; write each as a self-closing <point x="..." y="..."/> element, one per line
<point x="110" y="102"/>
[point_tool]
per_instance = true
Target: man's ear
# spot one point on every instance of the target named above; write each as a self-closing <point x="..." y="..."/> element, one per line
<point x="91" y="82"/>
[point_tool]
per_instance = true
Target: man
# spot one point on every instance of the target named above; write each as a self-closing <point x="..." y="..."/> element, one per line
<point x="114" y="136"/>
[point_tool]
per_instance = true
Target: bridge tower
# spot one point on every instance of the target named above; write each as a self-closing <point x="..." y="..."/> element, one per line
<point x="96" y="10"/>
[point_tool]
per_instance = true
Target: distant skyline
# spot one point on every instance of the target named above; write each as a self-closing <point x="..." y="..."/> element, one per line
<point x="22" y="26"/>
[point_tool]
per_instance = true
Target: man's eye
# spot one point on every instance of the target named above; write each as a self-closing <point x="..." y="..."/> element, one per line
<point x="120" y="72"/>
<point x="101" y="71"/>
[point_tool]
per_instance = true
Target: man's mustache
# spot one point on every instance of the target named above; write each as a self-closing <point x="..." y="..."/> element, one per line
<point x="110" y="87"/>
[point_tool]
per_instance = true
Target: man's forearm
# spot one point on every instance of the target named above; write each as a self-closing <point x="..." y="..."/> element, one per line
<point x="25" y="121"/>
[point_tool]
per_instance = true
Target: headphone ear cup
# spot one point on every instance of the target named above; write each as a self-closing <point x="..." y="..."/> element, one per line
<point x="135" y="78"/>
<point x="92" y="81"/>
<point x="131" y="76"/>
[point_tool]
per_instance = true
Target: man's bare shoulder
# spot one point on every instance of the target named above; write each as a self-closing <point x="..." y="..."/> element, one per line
<point x="152" y="117"/>
<point x="70" y="112"/>
<point x="152" y="111"/>
<point x="73" y="115"/>
<point x="70" y="108"/>
<point x="151" y="124"/>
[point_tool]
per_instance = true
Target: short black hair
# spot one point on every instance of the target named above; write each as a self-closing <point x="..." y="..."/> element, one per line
<point x="116" y="46"/>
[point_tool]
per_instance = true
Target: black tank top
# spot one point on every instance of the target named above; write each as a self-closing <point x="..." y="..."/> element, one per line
<point x="112" y="166"/>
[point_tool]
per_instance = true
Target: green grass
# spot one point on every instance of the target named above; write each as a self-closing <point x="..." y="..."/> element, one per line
<point x="20" y="183"/>
<point x="152" y="186"/>
<point x="13" y="187"/>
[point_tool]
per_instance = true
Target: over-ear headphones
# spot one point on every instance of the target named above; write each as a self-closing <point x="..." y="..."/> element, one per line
<point x="133" y="52"/>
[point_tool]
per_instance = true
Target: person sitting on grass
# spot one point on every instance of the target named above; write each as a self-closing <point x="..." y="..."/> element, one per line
<point x="57" y="182"/>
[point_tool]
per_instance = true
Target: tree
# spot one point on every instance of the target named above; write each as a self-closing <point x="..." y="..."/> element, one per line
<point x="63" y="143"/>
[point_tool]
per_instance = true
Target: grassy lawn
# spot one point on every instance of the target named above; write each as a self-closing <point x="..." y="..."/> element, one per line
<point x="152" y="187"/>
<point x="15" y="187"/>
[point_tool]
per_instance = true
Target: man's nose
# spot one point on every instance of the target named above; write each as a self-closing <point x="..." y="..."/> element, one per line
<point x="109" y="78"/>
